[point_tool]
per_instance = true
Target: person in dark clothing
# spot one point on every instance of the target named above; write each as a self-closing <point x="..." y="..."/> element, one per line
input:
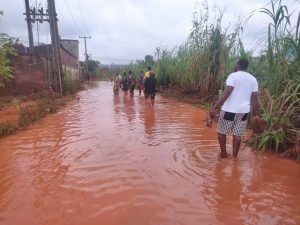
<point x="140" y="82"/>
<point x="125" y="83"/>
<point x="150" y="87"/>
<point x="132" y="83"/>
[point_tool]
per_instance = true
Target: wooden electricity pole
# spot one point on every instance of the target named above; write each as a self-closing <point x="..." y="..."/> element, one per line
<point x="86" y="55"/>
<point x="55" y="43"/>
<point x="39" y="15"/>
<point x="29" y="27"/>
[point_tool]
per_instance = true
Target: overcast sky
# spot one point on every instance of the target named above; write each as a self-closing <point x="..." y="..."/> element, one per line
<point x="125" y="30"/>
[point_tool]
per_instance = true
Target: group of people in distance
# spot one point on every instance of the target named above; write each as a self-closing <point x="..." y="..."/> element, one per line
<point x="125" y="83"/>
<point x="145" y="82"/>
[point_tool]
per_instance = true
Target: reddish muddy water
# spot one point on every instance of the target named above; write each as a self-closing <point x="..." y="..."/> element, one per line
<point x="115" y="161"/>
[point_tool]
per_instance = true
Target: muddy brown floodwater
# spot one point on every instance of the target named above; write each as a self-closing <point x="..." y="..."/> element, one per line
<point x="114" y="161"/>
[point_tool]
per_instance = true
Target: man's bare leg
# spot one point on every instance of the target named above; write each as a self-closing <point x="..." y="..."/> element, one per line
<point x="152" y="102"/>
<point x="147" y="101"/>
<point x="222" y="142"/>
<point x="236" y="143"/>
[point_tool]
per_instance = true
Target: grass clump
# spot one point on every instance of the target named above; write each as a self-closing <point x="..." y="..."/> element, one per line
<point x="31" y="113"/>
<point x="279" y="77"/>
<point x="281" y="116"/>
<point x="8" y="128"/>
<point x="72" y="86"/>
<point x="34" y="107"/>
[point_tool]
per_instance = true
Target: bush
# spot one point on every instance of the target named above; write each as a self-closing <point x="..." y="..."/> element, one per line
<point x="8" y="128"/>
<point x="72" y="86"/>
<point x="6" y="52"/>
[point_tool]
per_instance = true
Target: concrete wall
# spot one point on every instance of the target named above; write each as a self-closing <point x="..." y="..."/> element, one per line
<point x="71" y="46"/>
<point x="71" y="73"/>
<point x="29" y="76"/>
<point x="35" y="74"/>
<point x="68" y="59"/>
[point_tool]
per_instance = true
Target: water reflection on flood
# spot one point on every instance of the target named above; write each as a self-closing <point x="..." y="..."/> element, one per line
<point x="114" y="160"/>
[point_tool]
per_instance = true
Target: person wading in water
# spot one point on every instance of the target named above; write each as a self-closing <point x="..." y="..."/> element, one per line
<point x="141" y="83"/>
<point x="125" y="83"/>
<point x="240" y="93"/>
<point x="150" y="85"/>
<point x="116" y="84"/>
<point x="132" y="83"/>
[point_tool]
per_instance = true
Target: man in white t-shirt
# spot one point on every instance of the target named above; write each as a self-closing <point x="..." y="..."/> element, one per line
<point x="240" y="94"/>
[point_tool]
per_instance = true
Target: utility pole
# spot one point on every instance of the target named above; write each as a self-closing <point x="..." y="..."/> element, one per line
<point x="29" y="27"/>
<point x="38" y="15"/>
<point x="55" y="42"/>
<point x="86" y="55"/>
<point x="33" y="15"/>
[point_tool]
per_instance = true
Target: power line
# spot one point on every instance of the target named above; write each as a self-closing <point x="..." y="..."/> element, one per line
<point x="66" y="3"/>
<point x="68" y="25"/>
<point x="82" y="18"/>
<point x="128" y="59"/>
<point x="115" y="60"/>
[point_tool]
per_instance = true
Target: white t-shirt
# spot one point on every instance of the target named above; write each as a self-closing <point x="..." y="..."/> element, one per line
<point x="239" y="99"/>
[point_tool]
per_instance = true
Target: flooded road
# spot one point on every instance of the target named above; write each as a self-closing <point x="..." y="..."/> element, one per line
<point x="115" y="161"/>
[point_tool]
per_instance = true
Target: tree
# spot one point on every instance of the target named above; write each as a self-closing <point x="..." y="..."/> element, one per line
<point x="149" y="60"/>
<point x="92" y="65"/>
<point x="6" y="52"/>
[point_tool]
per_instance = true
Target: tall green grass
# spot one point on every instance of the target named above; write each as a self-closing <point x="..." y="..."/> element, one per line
<point x="280" y="80"/>
<point x="199" y="65"/>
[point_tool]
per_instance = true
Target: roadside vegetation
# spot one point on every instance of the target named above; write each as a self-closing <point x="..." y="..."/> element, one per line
<point x="6" y="54"/>
<point x="18" y="112"/>
<point x="278" y="70"/>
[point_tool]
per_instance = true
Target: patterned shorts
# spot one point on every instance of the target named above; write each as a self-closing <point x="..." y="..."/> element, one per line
<point x="232" y="123"/>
